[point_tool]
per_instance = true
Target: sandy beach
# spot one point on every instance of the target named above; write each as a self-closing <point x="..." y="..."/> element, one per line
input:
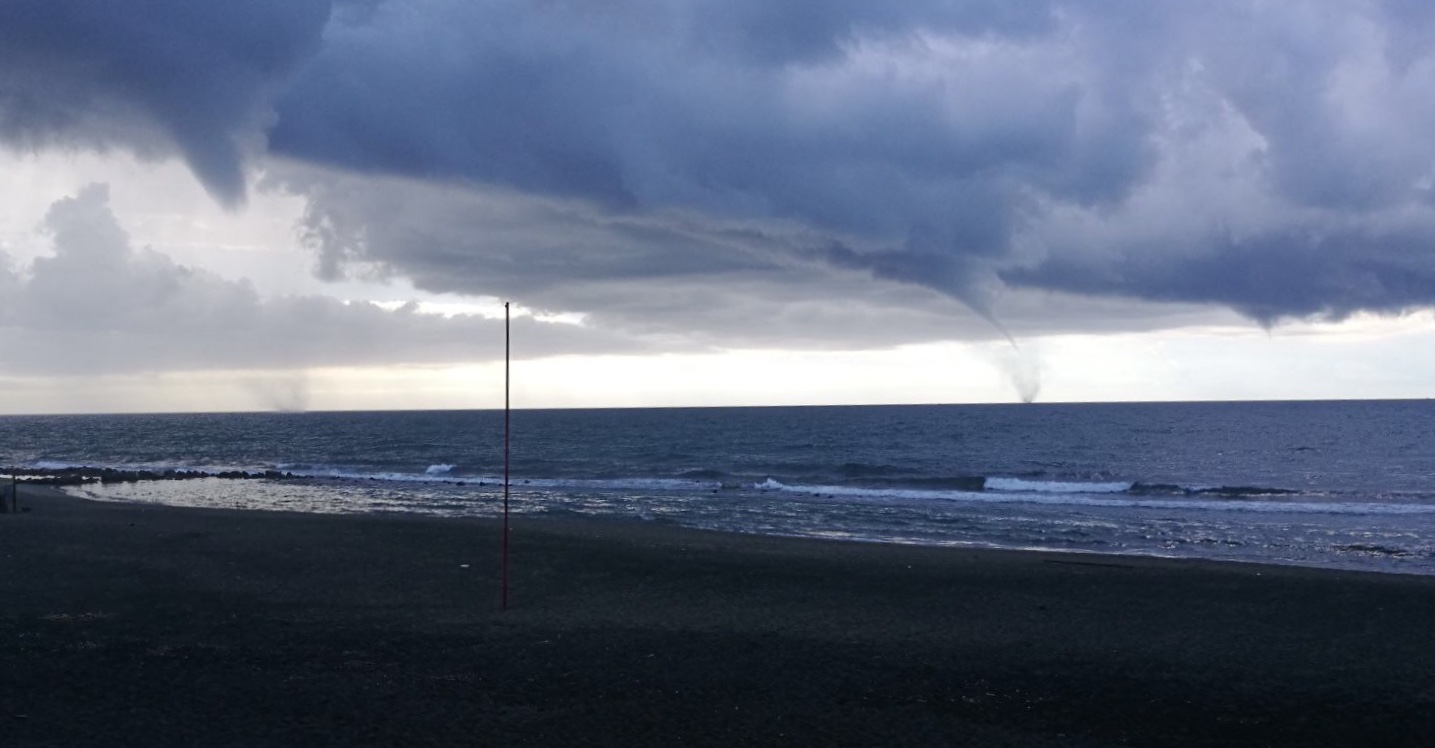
<point x="138" y="625"/>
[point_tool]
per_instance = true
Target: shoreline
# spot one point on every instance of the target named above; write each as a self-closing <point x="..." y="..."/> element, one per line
<point x="66" y="489"/>
<point x="127" y="623"/>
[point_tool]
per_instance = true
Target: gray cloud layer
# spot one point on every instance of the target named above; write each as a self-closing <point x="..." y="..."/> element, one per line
<point x="1269" y="157"/>
<point x="100" y="305"/>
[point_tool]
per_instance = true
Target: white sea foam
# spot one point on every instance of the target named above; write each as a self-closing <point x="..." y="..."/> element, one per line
<point x="1096" y="499"/>
<point x="439" y="469"/>
<point x="54" y="465"/>
<point x="620" y="484"/>
<point x="424" y="477"/>
<point x="1037" y="486"/>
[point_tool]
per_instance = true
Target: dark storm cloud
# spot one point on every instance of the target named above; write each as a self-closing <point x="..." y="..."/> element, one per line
<point x="151" y="75"/>
<point x="682" y="279"/>
<point x="736" y="108"/>
<point x="1161" y="152"/>
<point x="1267" y="277"/>
<point x="662" y="114"/>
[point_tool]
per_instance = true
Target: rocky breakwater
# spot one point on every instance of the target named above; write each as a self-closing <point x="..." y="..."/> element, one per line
<point x="71" y="476"/>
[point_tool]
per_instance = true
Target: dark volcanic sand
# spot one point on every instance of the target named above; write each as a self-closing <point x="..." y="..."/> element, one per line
<point x="130" y="625"/>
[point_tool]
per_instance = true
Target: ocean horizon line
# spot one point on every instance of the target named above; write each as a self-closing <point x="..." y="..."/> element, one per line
<point x="758" y="406"/>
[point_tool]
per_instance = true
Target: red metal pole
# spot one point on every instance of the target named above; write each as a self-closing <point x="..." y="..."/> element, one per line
<point x="505" y="452"/>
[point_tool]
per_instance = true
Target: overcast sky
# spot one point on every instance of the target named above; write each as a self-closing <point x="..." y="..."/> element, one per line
<point x="316" y="204"/>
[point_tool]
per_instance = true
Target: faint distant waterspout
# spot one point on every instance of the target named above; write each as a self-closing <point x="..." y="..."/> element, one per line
<point x="1022" y="368"/>
<point x="286" y="392"/>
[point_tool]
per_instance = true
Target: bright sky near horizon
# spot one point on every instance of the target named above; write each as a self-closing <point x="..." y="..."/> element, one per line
<point x="320" y="203"/>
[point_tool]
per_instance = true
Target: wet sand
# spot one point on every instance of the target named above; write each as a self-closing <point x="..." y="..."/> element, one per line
<point x="133" y="625"/>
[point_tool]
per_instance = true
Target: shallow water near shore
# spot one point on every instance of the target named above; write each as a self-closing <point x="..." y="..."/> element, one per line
<point x="1324" y="484"/>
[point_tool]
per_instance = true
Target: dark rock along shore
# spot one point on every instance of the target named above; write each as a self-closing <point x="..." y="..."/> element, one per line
<point x="73" y="476"/>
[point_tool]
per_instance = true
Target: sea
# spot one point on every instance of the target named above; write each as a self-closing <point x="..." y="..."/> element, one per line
<point x="1344" y="485"/>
